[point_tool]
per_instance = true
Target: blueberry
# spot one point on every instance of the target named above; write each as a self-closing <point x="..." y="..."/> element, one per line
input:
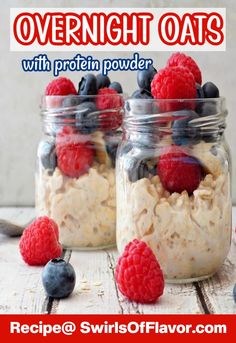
<point x="139" y="163"/>
<point x="102" y="81"/>
<point x="141" y="94"/>
<point x="88" y="85"/>
<point x="58" y="278"/>
<point x="140" y="106"/>
<point x="111" y="147"/>
<point x="183" y="133"/>
<point x="47" y="155"/>
<point x="210" y="90"/>
<point x="136" y="169"/>
<point x="234" y="293"/>
<point x="144" y="78"/>
<point x="87" y="117"/>
<point x="116" y="86"/>
<point x="71" y="101"/>
<point x="200" y="93"/>
<point x="206" y="109"/>
<point x="124" y="149"/>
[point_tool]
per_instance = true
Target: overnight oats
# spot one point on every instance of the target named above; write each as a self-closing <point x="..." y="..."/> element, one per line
<point x="75" y="179"/>
<point x="173" y="174"/>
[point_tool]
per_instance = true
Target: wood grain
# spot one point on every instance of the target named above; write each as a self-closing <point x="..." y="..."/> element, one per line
<point x="20" y="285"/>
<point x="96" y="292"/>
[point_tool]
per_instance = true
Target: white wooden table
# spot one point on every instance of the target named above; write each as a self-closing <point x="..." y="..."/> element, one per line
<point x="21" y="289"/>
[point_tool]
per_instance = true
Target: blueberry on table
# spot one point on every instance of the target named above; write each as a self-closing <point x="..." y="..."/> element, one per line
<point x="200" y="93"/>
<point x="71" y="101"/>
<point x="141" y="94"/>
<point x="183" y="131"/>
<point x="87" y="117"/>
<point x="102" y="81"/>
<point x="47" y="155"/>
<point x="58" y="278"/>
<point x="144" y="78"/>
<point x="88" y="85"/>
<point x="116" y="86"/>
<point x="210" y="90"/>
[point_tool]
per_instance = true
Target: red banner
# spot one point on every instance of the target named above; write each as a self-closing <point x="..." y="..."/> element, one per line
<point x="34" y="328"/>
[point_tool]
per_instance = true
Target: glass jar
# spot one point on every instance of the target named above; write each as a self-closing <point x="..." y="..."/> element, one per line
<point x="173" y="184"/>
<point x="75" y="178"/>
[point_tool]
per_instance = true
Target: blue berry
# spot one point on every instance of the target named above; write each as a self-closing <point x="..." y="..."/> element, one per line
<point x="145" y="77"/>
<point x="206" y="109"/>
<point x="103" y="81"/>
<point x="88" y="85"/>
<point x="140" y="106"/>
<point x="210" y="90"/>
<point x="136" y="169"/>
<point x="200" y="93"/>
<point x="71" y="101"/>
<point x="116" y="86"/>
<point x="87" y="117"/>
<point x="183" y="133"/>
<point x="58" y="278"/>
<point x="141" y="94"/>
<point x="234" y="293"/>
<point x="111" y="147"/>
<point x="47" y="155"/>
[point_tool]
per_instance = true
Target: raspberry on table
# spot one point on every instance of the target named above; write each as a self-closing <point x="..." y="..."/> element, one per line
<point x="180" y="59"/>
<point x="74" y="153"/>
<point x="60" y="86"/>
<point x="178" y="171"/>
<point x="138" y="274"/>
<point x="109" y="99"/>
<point x="39" y="242"/>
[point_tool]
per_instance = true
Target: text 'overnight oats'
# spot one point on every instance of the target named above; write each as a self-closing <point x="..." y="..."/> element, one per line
<point x="173" y="172"/>
<point x="75" y="181"/>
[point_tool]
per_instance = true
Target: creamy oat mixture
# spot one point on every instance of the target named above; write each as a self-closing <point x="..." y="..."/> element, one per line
<point x="190" y="235"/>
<point x="84" y="208"/>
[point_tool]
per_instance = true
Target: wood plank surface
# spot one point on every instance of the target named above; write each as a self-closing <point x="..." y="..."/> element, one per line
<point x="21" y="289"/>
<point x="20" y="285"/>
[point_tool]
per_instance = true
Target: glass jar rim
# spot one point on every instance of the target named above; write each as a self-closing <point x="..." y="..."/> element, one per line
<point x="43" y="104"/>
<point x="219" y="99"/>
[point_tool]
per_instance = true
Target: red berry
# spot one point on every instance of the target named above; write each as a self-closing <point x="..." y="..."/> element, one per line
<point x="138" y="273"/>
<point x="180" y="59"/>
<point x="39" y="242"/>
<point x="179" y="171"/>
<point x="174" y="83"/>
<point x="60" y="86"/>
<point x="109" y="99"/>
<point x="74" y="153"/>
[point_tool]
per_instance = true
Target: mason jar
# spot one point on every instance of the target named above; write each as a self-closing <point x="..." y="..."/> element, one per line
<point x="173" y="184"/>
<point x="75" y="178"/>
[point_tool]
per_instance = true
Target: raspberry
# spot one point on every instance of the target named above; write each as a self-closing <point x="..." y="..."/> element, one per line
<point x="180" y="59"/>
<point x="60" y="86"/>
<point x="179" y="171"/>
<point x="39" y="242"/>
<point x="174" y="83"/>
<point x="74" y="153"/>
<point x="138" y="273"/>
<point x="109" y="99"/>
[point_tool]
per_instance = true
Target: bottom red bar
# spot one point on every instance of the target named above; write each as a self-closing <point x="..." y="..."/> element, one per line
<point x="103" y="328"/>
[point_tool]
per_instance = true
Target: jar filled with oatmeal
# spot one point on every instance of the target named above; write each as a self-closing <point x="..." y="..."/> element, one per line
<point x="173" y="184"/>
<point x="75" y="179"/>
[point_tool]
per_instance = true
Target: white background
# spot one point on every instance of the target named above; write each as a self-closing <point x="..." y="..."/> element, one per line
<point x="20" y="128"/>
